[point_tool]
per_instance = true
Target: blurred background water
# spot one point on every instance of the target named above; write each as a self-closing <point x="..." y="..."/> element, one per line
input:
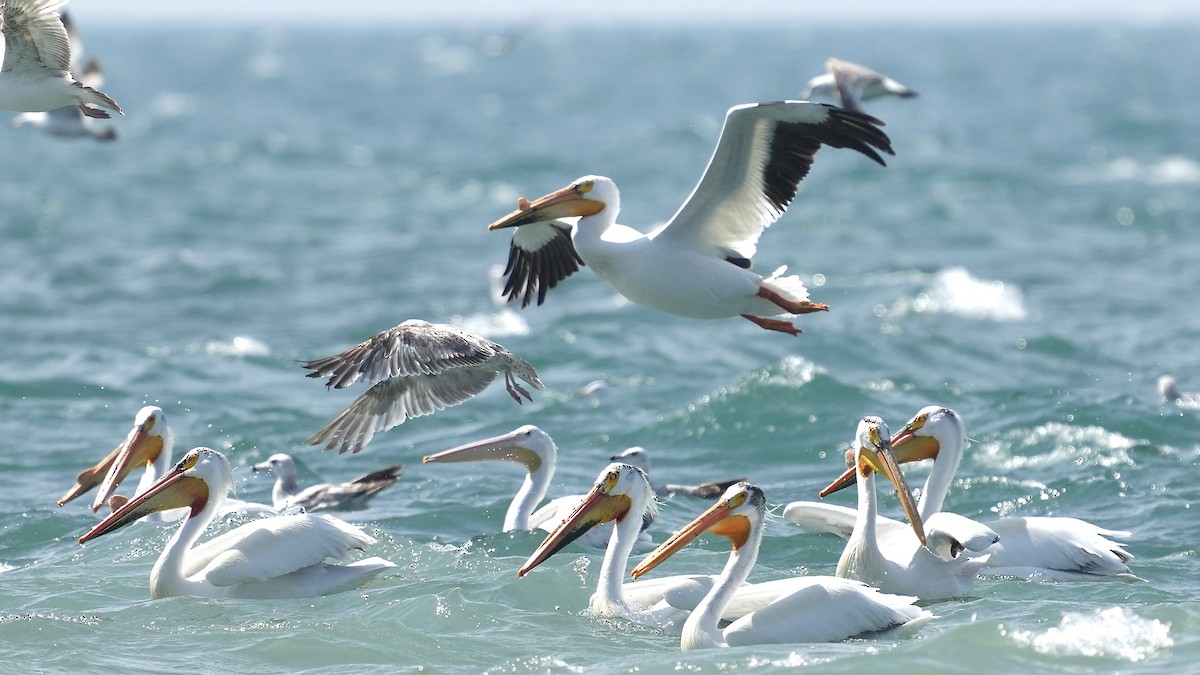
<point x="281" y="192"/>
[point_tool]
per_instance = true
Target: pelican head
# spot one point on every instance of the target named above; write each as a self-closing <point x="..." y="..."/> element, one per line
<point x="611" y="498"/>
<point x="586" y="196"/>
<point x="734" y="517"/>
<point x="919" y="439"/>
<point x="149" y="437"/>
<point x="873" y="453"/>
<point x="188" y="484"/>
<point x="528" y="446"/>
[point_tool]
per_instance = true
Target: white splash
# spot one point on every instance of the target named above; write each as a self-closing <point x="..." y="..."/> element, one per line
<point x="1115" y="632"/>
<point x="239" y="346"/>
<point x="956" y="291"/>
<point x="495" y="325"/>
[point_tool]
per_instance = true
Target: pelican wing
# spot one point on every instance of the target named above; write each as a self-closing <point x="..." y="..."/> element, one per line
<point x="1057" y="543"/>
<point x="947" y="534"/>
<point x="34" y="38"/>
<point x="413" y="348"/>
<point x="272" y="547"/>
<point x="765" y="150"/>
<point x="541" y="255"/>
<point x="827" y="610"/>
<point x="391" y="402"/>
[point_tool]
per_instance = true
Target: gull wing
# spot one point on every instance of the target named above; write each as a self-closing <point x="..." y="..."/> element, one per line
<point x="35" y="39"/>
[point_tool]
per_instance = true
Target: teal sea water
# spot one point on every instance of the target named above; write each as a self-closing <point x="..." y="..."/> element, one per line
<point x="1027" y="258"/>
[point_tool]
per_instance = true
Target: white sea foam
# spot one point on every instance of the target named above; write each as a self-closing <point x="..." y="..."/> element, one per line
<point x="1115" y="632"/>
<point x="956" y="291"/>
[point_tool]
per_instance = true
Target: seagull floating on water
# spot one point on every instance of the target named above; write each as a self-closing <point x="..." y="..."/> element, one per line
<point x="348" y="496"/>
<point x="698" y="264"/>
<point x="416" y="368"/>
<point x="851" y="84"/>
<point x="639" y="457"/>
<point x="36" y="75"/>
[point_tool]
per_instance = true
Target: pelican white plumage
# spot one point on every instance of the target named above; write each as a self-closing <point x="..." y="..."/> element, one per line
<point x="416" y="368"/>
<point x="277" y="557"/>
<point x="698" y="264"/>
<point x="535" y="450"/>
<point x="851" y="84"/>
<point x="905" y="565"/>
<point x="640" y="457"/>
<point x="1041" y="548"/>
<point x="148" y="444"/>
<point x="817" y="609"/>
<point x="36" y="75"/>
<point x="1169" y="390"/>
<point x="69" y="120"/>
<point x="624" y="496"/>
<point x="348" y="496"/>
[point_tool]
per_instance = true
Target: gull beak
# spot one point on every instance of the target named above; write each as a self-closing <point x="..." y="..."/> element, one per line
<point x="175" y="490"/>
<point x="598" y="507"/>
<point x="878" y="457"/>
<point x="499" y="448"/>
<point x="718" y="519"/>
<point x="568" y="202"/>
<point x="139" y="449"/>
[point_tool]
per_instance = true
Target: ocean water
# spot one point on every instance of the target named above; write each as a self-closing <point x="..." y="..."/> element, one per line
<point x="1027" y="258"/>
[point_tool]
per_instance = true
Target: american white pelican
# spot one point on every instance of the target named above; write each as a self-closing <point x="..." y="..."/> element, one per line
<point x="639" y="457"/>
<point x="851" y="84"/>
<point x="819" y="609"/>
<point x="416" y="368"/>
<point x="148" y="444"/>
<point x="69" y="120"/>
<point x="698" y="264"/>
<point x="36" y="75"/>
<point x="277" y="557"/>
<point x="623" y="495"/>
<point x="533" y="449"/>
<point x="1036" y="548"/>
<point x="348" y="496"/>
<point x="904" y="565"/>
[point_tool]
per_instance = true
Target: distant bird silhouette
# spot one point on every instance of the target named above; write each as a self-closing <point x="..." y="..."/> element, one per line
<point x="851" y="84"/>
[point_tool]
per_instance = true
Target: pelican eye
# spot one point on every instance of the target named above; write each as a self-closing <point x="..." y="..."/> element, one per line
<point x="874" y="435"/>
<point x="585" y="186"/>
<point x="609" y="482"/>
<point x="919" y="421"/>
<point x="189" y="460"/>
<point x="737" y="500"/>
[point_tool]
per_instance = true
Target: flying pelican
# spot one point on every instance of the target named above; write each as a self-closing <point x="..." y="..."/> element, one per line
<point x="148" y="444"/>
<point x="819" y="609"/>
<point x="698" y="264"/>
<point x="851" y="84"/>
<point x="1035" y="548"/>
<point x="416" y="368"/>
<point x="69" y="120"/>
<point x="347" y="496"/>
<point x="36" y="75"/>
<point x="898" y="564"/>
<point x="639" y="457"/>
<point x="622" y="492"/>
<point x="533" y="449"/>
<point x="277" y="557"/>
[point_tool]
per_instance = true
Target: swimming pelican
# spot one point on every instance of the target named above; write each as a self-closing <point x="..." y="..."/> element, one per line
<point x="36" y="75"/>
<point x="347" y="496"/>
<point x="1035" y="548"/>
<point x="698" y="264"/>
<point x="851" y="84"/>
<point x="898" y="564"/>
<point x="820" y="609"/>
<point x="639" y="457"/>
<point x="69" y="120"/>
<point x="533" y="449"/>
<point x="148" y="444"/>
<point x="622" y="491"/>
<point x="417" y="368"/>
<point x="277" y="557"/>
